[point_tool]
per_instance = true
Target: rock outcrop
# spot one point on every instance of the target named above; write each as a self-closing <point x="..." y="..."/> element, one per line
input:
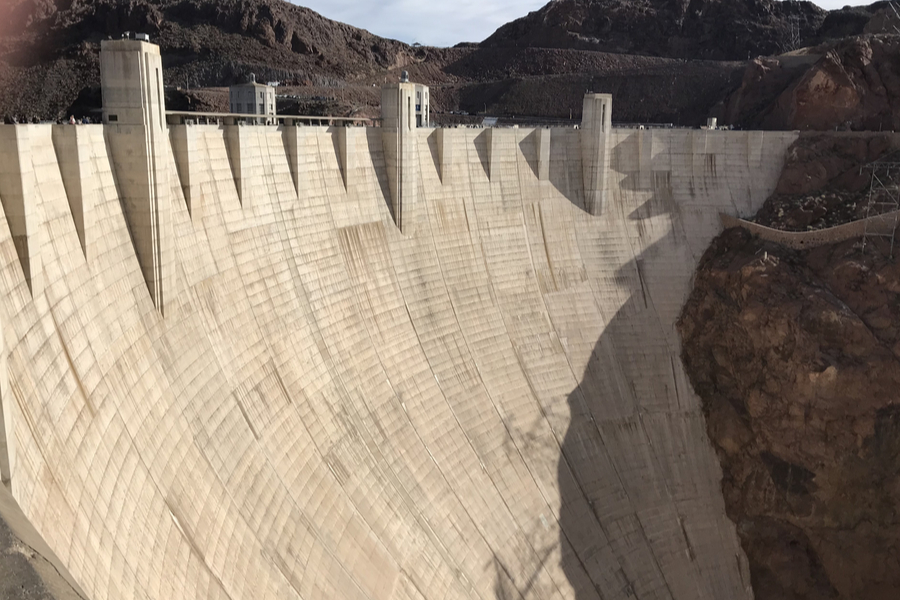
<point x="708" y="29"/>
<point x="796" y="357"/>
<point x="853" y="85"/>
<point x="825" y="181"/>
<point x="796" y="360"/>
<point x="665" y="61"/>
<point x="49" y="50"/>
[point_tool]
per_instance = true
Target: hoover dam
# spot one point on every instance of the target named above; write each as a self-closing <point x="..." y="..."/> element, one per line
<point x="246" y="361"/>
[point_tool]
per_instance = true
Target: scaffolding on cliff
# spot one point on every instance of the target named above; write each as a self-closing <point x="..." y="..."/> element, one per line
<point x="883" y="200"/>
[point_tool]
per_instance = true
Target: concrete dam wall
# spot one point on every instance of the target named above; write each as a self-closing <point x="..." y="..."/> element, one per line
<point x="487" y="402"/>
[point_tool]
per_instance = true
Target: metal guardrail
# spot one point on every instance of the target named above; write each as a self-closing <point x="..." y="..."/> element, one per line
<point x="177" y="117"/>
<point x="885" y="224"/>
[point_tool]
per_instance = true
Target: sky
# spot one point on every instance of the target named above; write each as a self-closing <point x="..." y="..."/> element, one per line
<point x="442" y="22"/>
<point x="429" y="22"/>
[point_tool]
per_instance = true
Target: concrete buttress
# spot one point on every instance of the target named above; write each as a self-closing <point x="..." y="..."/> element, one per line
<point x="18" y="199"/>
<point x="596" y="122"/>
<point x="134" y="112"/>
<point x="400" y="147"/>
<point x="77" y="177"/>
<point x="542" y="147"/>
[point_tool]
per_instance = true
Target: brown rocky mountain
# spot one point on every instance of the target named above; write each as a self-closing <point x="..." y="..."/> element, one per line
<point x="663" y="60"/>
<point x="707" y="29"/>
<point x="853" y="84"/>
<point x="795" y="357"/>
<point x="49" y="49"/>
<point x="710" y="29"/>
<point x="807" y="68"/>
<point x="538" y="66"/>
<point x="271" y="33"/>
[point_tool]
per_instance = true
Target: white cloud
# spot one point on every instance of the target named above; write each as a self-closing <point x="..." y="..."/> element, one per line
<point x="835" y="4"/>
<point x="443" y="22"/>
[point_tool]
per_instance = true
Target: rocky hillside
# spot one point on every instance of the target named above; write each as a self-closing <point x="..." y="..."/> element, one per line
<point x="852" y="85"/>
<point x="663" y="60"/>
<point x="796" y="357"/>
<point x="49" y="48"/>
<point x="269" y="34"/>
<point x="806" y="68"/>
<point x="49" y="64"/>
<point x="710" y="29"/>
<point x="552" y="82"/>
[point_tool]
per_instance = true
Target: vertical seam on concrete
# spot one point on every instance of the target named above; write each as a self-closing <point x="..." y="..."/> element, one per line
<point x="476" y="234"/>
<point x="576" y="379"/>
<point x="342" y="387"/>
<point x="260" y="542"/>
<point x="397" y="482"/>
<point x="478" y="369"/>
<point x="459" y="425"/>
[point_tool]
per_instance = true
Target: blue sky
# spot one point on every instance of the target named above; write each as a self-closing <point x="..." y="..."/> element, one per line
<point x="441" y="22"/>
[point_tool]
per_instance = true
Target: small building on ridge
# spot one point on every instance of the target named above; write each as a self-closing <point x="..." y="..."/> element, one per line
<point x="252" y="98"/>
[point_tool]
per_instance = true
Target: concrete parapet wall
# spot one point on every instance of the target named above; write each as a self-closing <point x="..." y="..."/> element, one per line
<point x="17" y="143"/>
<point x="883" y="224"/>
<point x="74" y="154"/>
<point x="183" y="140"/>
<point x="244" y="154"/>
<point x="487" y="403"/>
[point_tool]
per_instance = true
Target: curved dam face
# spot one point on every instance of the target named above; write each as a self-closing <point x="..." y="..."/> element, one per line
<point x="488" y="403"/>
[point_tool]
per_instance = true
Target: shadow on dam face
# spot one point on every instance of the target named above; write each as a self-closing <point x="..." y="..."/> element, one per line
<point x="488" y="405"/>
<point x="604" y="548"/>
<point x="630" y="522"/>
<point x="623" y="530"/>
<point x="595" y="508"/>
